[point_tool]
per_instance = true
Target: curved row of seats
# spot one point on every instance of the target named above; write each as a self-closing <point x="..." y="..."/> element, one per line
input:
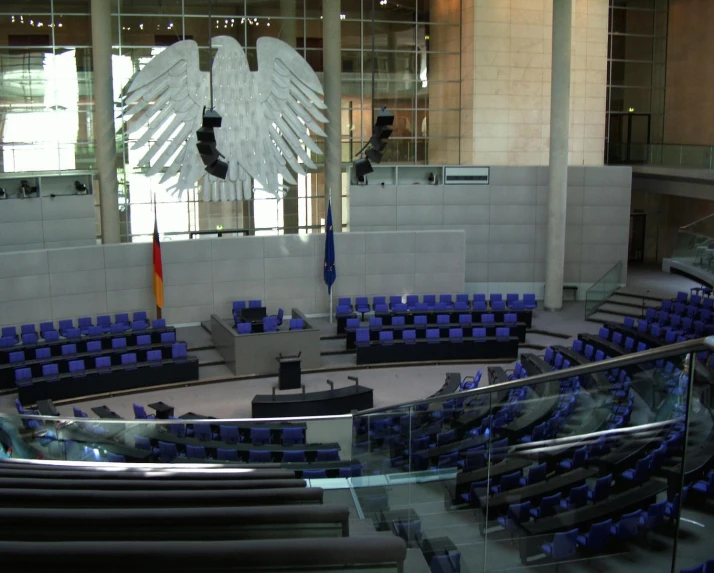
<point x="429" y="302"/>
<point x="184" y="520"/>
<point x="30" y="334"/>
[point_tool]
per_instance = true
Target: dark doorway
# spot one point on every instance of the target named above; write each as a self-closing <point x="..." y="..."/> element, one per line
<point x="628" y="138"/>
<point x="636" y="250"/>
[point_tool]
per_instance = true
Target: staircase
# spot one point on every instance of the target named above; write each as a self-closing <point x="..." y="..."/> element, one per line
<point x="625" y="302"/>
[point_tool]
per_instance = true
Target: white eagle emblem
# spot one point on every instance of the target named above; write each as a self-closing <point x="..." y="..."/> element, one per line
<point x="268" y="116"/>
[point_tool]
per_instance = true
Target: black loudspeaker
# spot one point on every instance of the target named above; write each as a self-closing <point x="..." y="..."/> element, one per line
<point x="384" y="117"/>
<point x="218" y="169"/>
<point x="206" y="135"/>
<point x="362" y="167"/>
<point x="374" y="156"/>
<point x="212" y="120"/>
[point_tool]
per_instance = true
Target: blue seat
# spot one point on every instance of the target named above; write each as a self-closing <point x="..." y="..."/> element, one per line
<point x="129" y="361"/>
<point x="314" y="474"/>
<point x="27" y="329"/>
<point x="477" y="489"/>
<point x="143" y="340"/>
<point x="196" y="452"/>
<point x="432" y="335"/>
<point x="226" y="455"/>
<point x="168" y="451"/>
<point x="154" y="356"/>
<point x="375" y="323"/>
<point x="578" y="497"/>
<point x="103" y="363"/>
<point x="259" y="456"/>
<point x="76" y="368"/>
<point x="238" y="305"/>
<point x="362" y="305"/>
<point x="95" y="331"/>
<point x="549" y="506"/>
<point x="601" y="490"/>
<point x="122" y="318"/>
<point x="17" y="357"/>
<point x="270" y="324"/>
<point x="596" y="540"/>
<point x="64" y="326"/>
<point x="255" y="303"/>
<point x="167" y="337"/>
<point x="45" y="326"/>
<point x="535" y="474"/>
<point x="297" y="456"/>
<point x="409" y="336"/>
<point x="115" y="458"/>
<point x="654" y="516"/>
<point x="503" y="333"/>
<point x="50" y="371"/>
<point x="140" y="413"/>
<point x="118" y="343"/>
<point x="231" y="434"/>
<point x="259" y="436"/>
<point x="327" y="455"/>
<point x="292" y="436"/>
<point x="446" y="301"/>
<point x="705" y="486"/>
<point x="508" y="482"/>
<point x="362" y="337"/>
<point x="578" y="460"/>
<point x="386" y="337"/>
<point x="429" y="300"/>
<point x="640" y="472"/>
<point x="203" y="432"/>
<point x="698" y="569"/>
<point x="299" y="323"/>
<point x="529" y="301"/>
<point x="118" y="328"/>
<point x="179" y="352"/>
<point x="158" y="323"/>
<point x="244" y="327"/>
<point x="379" y="300"/>
<point x="563" y="546"/>
<point x="141" y="443"/>
<point x="488" y="318"/>
<point x="442" y="319"/>
<point x="511" y="298"/>
<point x="104" y="321"/>
<point x="517" y="513"/>
<point x="456" y="334"/>
<point x="420" y="320"/>
<point x="628" y="526"/>
<point x="479" y="333"/>
<point x="69" y="349"/>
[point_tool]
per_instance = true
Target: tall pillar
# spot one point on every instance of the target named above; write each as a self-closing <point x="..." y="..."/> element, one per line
<point x="288" y="34"/>
<point x="105" y="144"/>
<point x="332" y="69"/>
<point x="558" y="168"/>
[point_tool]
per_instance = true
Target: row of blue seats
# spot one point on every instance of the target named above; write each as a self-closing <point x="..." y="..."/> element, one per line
<point x="702" y="322"/>
<point x="239" y="305"/>
<point x="104" y="324"/>
<point x="102" y="363"/>
<point x="93" y="347"/>
<point x="432" y="334"/>
<point x="375" y="322"/>
<point x="411" y="302"/>
<point x="29" y="338"/>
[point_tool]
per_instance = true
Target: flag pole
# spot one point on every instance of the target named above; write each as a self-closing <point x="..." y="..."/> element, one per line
<point x="329" y="200"/>
<point x="158" y="308"/>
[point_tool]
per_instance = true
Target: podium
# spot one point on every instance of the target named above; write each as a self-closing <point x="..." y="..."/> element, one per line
<point x="289" y="372"/>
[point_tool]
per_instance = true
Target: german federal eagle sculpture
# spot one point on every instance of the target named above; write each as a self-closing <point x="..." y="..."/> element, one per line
<point x="268" y="116"/>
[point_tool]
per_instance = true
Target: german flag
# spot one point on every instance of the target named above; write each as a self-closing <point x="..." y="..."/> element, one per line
<point x="158" y="269"/>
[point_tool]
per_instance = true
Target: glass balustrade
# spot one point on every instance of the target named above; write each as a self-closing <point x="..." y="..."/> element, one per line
<point x="582" y="466"/>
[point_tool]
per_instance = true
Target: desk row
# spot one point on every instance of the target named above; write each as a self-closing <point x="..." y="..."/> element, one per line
<point x="436" y="349"/>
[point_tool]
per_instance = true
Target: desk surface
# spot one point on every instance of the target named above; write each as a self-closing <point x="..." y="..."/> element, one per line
<point x="104" y="412"/>
<point x="310" y="396"/>
<point x="161" y="407"/>
<point x="47" y="408"/>
<point x="559" y="483"/>
<point x="614" y="505"/>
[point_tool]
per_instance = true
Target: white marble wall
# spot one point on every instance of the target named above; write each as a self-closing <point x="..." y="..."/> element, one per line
<point x="46" y="222"/>
<point x="505" y="71"/>
<point x="505" y="223"/>
<point x="204" y="276"/>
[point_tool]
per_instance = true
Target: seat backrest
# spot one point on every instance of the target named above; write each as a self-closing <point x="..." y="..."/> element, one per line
<point x="122" y="318"/>
<point x="259" y="436"/>
<point x="76" y="366"/>
<point x="102" y="362"/>
<point x="167" y="337"/>
<point x="127" y="359"/>
<point x="158" y="323"/>
<point x="229" y="434"/>
<point x="456" y="333"/>
<point x="143" y="340"/>
<point x="178" y="350"/>
<point x="398" y="321"/>
<point x="479" y="332"/>
<point x="244" y="328"/>
<point x="379" y="300"/>
<point x="386" y="336"/>
<point x="487" y="318"/>
<point x="408" y="335"/>
<point x="564" y="544"/>
<point x="153" y="356"/>
<point x="196" y="452"/>
<point x="22" y="374"/>
<point x="293" y="456"/>
<point x="443" y="319"/>
<point x="375" y="322"/>
<point x="45" y="326"/>
<point x="42" y="352"/>
<point x="119" y="342"/>
<point x="50" y="369"/>
<point x="327" y="455"/>
<point x="68" y="349"/>
<point x="432" y="333"/>
<point x="445" y="298"/>
<point x="362" y="335"/>
<point x="503" y="332"/>
<point x="17" y="356"/>
<point x="579" y="496"/>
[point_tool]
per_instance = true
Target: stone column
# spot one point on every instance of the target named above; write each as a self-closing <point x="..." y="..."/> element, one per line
<point x="558" y="167"/>
<point x="105" y="143"/>
<point x="332" y="69"/>
<point x="288" y="35"/>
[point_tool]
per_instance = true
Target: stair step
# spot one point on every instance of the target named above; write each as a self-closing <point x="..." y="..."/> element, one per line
<point x="635" y="302"/>
<point x="632" y="293"/>
<point x="620" y="310"/>
<point x="605" y="317"/>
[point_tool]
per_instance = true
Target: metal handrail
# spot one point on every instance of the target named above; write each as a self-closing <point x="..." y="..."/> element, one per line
<point x="679" y="348"/>
<point x="590" y="312"/>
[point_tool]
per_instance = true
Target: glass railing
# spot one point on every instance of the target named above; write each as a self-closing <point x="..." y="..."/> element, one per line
<point x="695" y="244"/>
<point x="665" y="154"/>
<point x="544" y="466"/>
<point x="597" y="294"/>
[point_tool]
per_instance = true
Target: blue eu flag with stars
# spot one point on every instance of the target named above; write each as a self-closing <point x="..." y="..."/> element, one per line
<point x="329" y="270"/>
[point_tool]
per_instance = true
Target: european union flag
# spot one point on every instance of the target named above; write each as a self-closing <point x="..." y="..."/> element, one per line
<point x="330" y="272"/>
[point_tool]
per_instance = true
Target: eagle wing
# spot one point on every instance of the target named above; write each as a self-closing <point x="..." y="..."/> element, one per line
<point x="289" y="95"/>
<point x="165" y="100"/>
